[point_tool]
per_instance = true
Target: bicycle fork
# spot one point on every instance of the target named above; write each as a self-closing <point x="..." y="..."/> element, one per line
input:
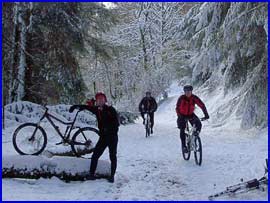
<point x="192" y="142"/>
<point x="32" y="138"/>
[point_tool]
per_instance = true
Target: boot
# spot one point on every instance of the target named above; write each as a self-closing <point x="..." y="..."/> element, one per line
<point x="111" y="179"/>
<point x="90" y="177"/>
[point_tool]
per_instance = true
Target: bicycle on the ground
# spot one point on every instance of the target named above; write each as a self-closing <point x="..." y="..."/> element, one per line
<point x="147" y="124"/>
<point x="193" y="143"/>
<point x="31" y="138"/>
<point x="244" y="187"/>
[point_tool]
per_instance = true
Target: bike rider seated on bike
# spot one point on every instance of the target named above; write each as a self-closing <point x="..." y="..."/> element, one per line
<point x="108" y="124"/>
<point x="148" y="104"/>
<point x="185" y="111"/>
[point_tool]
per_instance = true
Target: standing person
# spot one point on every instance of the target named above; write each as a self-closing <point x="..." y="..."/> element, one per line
<point x="108" y="124"/>
<point x="185" y="111"/>
<point x="148" y="104"/>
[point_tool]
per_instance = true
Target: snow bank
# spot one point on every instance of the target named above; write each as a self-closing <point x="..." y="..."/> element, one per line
<point x="25" y="111"/>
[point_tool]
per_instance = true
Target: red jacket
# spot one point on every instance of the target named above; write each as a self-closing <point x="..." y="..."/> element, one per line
<point x="186" y="105"/>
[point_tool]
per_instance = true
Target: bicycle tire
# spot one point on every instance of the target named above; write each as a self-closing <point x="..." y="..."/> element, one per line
<point x="186" y="156"/>
<point x="198" y="151"/>
<point x="17" y="135"/>
<point x="147" y="129"/>
<point x="85" y="139"/>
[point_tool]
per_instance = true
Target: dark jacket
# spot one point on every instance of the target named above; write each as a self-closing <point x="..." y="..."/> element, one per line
<point x="186" y="105"/>
<point x="107" y="118"/>
<point x="148" y="104"/>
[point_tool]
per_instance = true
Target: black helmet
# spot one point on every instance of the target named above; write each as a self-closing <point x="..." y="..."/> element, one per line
<point x="188" y="88"/>
<point x="148" y="93"/>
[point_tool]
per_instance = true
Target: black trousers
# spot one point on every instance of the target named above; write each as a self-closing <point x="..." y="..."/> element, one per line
<point x="151" y="118"/>
<point x="181" y="123"/>
<point x="103" y="142"/>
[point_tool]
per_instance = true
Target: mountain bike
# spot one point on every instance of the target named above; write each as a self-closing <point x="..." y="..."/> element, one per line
<point x="244" y="187"/>
<point x="147" y="124"/>
<point x="193" y="143"/>
<point x="31" y="138"/>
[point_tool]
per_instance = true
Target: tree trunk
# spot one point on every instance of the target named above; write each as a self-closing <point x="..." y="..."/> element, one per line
<point x="15" y="53"/>
<point x="36" y="174"/>
<point x="65" y="168"/>
<point x="22" y="61"/>
<point x="109" y="81"/>
<point x="69" y="153"/>
<point x="144" y="49"/>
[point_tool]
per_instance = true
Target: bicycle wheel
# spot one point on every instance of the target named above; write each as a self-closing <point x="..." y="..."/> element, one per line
<point x="147" y="129"/>
<point x="198" y="150"/>
<point x="148" y="126"/>
<point x="186" y="156"/>
<point x="29" y="139"/>
<point x="84" y="141"/>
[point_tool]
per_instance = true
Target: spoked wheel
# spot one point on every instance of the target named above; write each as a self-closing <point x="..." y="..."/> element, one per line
<point x="186" y="156"/>
<point x="84" y="141"/>
<point x="147" y="131"/>
<point x="198" y="150"/>
<point x="147" y="128"/>
<point x="29" y="139"/>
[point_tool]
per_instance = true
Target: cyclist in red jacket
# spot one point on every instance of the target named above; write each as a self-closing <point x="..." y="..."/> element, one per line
<point x="185" y="111"/>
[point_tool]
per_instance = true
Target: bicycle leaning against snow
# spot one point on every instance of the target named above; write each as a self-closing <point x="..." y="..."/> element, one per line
<point x="31" y="138"/>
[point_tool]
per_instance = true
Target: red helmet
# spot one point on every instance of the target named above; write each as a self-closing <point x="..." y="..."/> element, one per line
<point x="100" y="94"/>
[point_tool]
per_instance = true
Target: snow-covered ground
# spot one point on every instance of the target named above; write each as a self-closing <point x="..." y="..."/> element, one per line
<point x="153" y="168"/>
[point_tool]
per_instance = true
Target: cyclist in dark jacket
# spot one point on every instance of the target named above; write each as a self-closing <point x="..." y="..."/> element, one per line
<point x="148" y="104"/>
<point x="108" y="124"/>
<point x="185" y="111"/>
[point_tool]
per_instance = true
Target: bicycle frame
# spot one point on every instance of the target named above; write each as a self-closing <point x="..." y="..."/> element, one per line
<point x="148" y="122"/>
<point x="190" y="131"/>
<point x="69" y="124"/>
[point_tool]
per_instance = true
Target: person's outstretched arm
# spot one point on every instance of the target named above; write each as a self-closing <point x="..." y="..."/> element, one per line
<point x="92" y="109"/>
<point x="199" y="102"/>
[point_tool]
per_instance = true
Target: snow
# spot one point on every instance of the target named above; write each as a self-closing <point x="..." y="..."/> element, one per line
<point x="153" y="168"/>
<point x="55" y="164"/>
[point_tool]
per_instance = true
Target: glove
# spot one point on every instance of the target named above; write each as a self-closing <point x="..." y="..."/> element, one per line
<point x="205" y="117"/>
<point x="71" y="109"/>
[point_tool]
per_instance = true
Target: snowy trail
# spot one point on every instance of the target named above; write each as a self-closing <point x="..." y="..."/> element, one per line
<point x="153" y="168"/>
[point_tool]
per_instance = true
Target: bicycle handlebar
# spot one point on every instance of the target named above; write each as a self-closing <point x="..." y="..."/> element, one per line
<point x="203" y="119"/>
